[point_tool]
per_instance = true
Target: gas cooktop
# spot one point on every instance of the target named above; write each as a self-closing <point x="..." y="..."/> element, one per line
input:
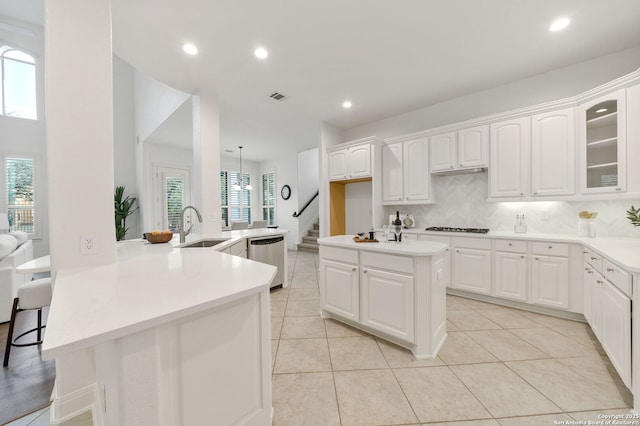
<point x="448" y="229"/>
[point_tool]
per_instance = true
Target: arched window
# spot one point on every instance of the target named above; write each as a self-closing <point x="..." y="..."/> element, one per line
<point x="18" y="79"/>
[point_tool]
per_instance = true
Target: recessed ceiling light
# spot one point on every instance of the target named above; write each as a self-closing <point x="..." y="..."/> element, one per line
<point x="560" y="24"/>
<point x="190" y="49"/>
<point x="346" y="104"/>
<point x="261" y="53"/>
<point x="601" y="110"/>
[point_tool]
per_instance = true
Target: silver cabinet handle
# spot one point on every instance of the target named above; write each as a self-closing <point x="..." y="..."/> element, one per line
<point x="618" y="189"/>
<point x="353" y="270"/>
<point x="590" y="272"/>
<point x="521" y="194"/>
<point x="550" y="247"/>
<point x="537" y="258"/>
<point x="365" y="271"/>
<point x="586" y="269"/>
<point x="610" y="270"/>
<point x="522" y="257"/>
<point x="510" y="244"/>
<point x="594" y="258"/>
<point x="535" y="193"/>
<point x="451" y="166"/>
<point x="457" y="251"/>
<point x="585" y="252"/>
<point x="599" y="282"/>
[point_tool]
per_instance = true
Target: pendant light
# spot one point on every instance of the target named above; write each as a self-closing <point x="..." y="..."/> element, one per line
<point x="238" y="186"/>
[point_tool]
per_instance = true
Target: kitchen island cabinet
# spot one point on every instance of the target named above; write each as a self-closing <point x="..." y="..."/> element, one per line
<point x="164" y="336"/>
<point x="394" y="291"/>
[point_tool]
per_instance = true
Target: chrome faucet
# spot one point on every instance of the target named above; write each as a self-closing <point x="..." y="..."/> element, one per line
<point x="183" y="233"/>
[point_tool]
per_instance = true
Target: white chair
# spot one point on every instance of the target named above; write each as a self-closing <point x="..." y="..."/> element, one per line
<point x="259" y="224"/>
<point x="239" y="225"/>
<point x="34" y="294"/>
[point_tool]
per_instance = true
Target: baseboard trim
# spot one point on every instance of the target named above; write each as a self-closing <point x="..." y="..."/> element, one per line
<point x="66" y="407"/>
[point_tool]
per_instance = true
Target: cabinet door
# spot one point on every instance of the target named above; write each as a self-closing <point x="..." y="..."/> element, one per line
<point x="338" y="164"/>
<point x="473" y="270"/>
<point x="616" y="329"/>
<point x="387" y="303"/>
<point x="442" y="152"/>
<point x="509" y="173"/>
<point x="416" y="170"/>
<point x="550" y="281"/>
<point x="588" y="296"/>
<point x="392" y="189"/>
<point x="511" y="276"/>
<point x="601" y="126"/>
<point x="553" y="153"/>
<point x="359" y="161"/>
<point x="339" y="293"/>
<point x="473" y="147"/>
<point x="595" y="284"/>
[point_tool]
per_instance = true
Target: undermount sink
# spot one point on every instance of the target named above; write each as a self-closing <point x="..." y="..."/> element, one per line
<point x="205" y="243"/>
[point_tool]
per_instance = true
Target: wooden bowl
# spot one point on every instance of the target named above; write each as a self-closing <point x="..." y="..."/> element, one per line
<point x="158" y="238"/>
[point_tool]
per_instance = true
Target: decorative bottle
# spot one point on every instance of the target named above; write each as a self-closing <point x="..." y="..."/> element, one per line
<point x="397" y="227"/>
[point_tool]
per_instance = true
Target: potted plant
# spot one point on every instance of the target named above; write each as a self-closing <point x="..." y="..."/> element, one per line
<point x="633" y="215"/>
<point x="123" y="209"/>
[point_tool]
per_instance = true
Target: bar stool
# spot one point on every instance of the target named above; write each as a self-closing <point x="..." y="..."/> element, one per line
<point x="35" y="294"/>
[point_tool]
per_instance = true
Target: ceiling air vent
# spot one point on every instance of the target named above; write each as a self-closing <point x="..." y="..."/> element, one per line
<point x="277" y="96"/>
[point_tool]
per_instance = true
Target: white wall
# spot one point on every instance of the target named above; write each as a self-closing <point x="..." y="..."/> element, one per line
<point x="553" y="85"/>
<point x="27" y="137"/>
<point x="124" y="137"/>
<point x="308" y="185"/>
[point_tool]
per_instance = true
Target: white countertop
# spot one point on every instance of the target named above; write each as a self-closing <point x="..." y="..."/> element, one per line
<point x="149" y="285"/>
<point x="405" y="248"/>
<point x="623" y="251"/>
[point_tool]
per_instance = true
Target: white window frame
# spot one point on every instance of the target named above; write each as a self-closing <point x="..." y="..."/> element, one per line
<point x="37" y="208"/>
<point x="275" y="197"/>
<point x="240" y="206"/>
<point x="12" y="47"/>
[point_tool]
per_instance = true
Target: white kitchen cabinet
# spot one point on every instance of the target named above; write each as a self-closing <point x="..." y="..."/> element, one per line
<point x="587" y="310"/>
<point x="602" y="131"/>
<point x="350" y="163"/>
<point x="473" y="147"/>
<point x="387" y="302"/>
<point x="340" y="288"/>
<point x="472" y="270"/>
<point x="464" y="149"/>
<point x="510" y="170"/>
<point x="511" y="276"/>
<point x="615" y="329"/>
<point x="442" y="152"/>
<point x="550" y="281"/>
<point x="553" y="153"/>
<point x="405" y="172"/>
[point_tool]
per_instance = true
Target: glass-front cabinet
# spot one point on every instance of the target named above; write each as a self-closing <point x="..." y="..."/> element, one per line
<point x="602" y="138"/>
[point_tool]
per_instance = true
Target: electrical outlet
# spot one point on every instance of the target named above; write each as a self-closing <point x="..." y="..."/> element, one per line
<point x="545" y="214"/>
<point x="88" y="245"/>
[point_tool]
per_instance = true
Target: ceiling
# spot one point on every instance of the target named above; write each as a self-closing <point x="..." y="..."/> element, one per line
<point x="387" y="57"/>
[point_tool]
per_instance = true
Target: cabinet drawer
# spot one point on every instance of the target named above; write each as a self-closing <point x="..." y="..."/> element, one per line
<point x="409" y="237"/>
<point x="472" y="243"/>
<point x="511" y="246"/>
<point x="436" y="238"/>
<point x="339" y="254"/>
<point x="593" y="259"/>
<point x="550" y="249"/>
<point x="617" y="277"/>
<point x="388" y="262"/>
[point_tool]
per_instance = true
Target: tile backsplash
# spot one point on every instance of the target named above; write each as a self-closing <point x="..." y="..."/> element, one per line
<point x="461" y="201"/>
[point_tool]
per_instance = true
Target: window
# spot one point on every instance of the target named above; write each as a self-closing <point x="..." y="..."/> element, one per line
<point x="269" y="198"/>
<point x="174" y="187"/>
<point x="18" y="79"/>
<point x="20" y="195"/>
<point x="235" y="202"/>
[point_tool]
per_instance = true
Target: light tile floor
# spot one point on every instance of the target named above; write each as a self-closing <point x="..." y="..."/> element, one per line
<point x="499" y="366"/>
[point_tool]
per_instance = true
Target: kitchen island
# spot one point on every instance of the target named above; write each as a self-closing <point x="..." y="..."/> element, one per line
<point x="166" y="335"/>
<point x="394" y="291"/>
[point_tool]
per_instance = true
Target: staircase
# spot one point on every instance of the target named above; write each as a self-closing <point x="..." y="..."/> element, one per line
<point x="310" y="241"/>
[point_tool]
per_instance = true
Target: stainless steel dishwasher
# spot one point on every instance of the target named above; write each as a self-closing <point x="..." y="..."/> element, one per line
<point x="269" y="250"/>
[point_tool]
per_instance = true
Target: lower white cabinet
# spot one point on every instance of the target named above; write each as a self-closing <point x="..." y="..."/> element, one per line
<point x="387" y="302"/>
<point x="615" y="329"/>
<point x="511" y="276"/>
<point x="340" y="292"/>
<point x="472" y="270"/>
<point x="550" y="281"/>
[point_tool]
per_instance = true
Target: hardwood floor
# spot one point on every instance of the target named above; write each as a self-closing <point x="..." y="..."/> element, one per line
<point x="26" y="384"/>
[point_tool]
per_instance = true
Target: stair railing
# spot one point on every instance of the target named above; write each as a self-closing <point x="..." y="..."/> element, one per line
<point x="306" y="205"/>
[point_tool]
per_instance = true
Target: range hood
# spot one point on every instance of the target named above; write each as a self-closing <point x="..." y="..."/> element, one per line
<point x="459" y="171"/>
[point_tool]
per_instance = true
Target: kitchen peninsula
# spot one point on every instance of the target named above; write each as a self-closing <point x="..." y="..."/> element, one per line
<point x="394" y="291"/>
<point x="167" y="335"/>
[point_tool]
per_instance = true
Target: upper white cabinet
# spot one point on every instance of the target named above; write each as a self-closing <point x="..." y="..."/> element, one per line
<point x="466" y="148"/>
<point x="350" y="163"/>
<point x="405" y="172"/>
<point x="602" y="130"/>
<point x="510" y="171"/>
<point x="553" y="153"/>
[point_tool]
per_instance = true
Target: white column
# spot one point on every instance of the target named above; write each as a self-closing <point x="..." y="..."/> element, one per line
<point x="206" y="160"/>
<point x="79" y="130"/>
